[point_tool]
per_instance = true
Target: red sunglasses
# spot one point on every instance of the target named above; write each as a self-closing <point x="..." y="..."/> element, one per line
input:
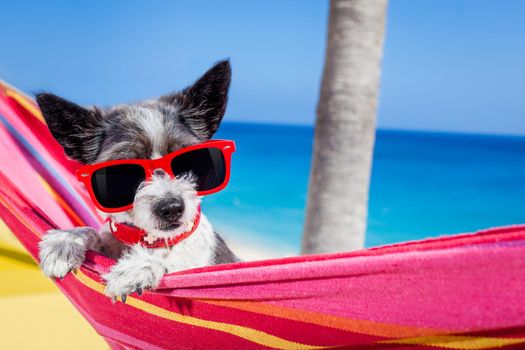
<point x="112" y="184"/>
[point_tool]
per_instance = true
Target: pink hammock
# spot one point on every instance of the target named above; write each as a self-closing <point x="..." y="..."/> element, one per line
<point x="455" y="292"/>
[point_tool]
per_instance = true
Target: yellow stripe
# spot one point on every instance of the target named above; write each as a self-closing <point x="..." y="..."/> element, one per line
<point x="25" y="103"/>
<point x="378" y="329"/>
<point x="249" y="334"/>
<point x="458" y="342"/>
<point x="425" y="336"/>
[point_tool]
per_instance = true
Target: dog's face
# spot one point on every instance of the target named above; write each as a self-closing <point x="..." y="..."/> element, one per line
<point x="147" y="130"/>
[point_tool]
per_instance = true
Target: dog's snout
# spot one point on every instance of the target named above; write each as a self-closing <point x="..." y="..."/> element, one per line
<point x="170" y="209"/>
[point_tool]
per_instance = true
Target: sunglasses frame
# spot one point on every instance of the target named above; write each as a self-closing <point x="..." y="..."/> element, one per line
<point x="85" y="172"/>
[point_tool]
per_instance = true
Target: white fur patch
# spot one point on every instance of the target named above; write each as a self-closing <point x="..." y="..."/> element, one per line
<point x="152" y="122"/>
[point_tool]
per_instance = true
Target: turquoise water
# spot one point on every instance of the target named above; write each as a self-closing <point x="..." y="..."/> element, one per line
<point x="423" y="185"/>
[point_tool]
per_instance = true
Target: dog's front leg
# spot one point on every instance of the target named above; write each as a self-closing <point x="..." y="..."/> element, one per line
<point x="62" y="251"/>
<point x="137" y="270"/>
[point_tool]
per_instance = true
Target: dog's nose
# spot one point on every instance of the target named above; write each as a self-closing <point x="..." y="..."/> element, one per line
<point x="159" y="172"/>
<point x="170" y="209"/>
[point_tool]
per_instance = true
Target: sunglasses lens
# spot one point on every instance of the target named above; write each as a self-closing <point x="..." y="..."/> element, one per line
<point x="206" y="164"/>
<point x="114" y="186"/>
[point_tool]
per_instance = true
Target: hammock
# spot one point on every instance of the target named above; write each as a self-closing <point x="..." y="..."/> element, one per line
<point x="454" y="292"/>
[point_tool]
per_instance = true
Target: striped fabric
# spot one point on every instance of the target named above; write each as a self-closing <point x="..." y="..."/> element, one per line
<point x="454" y="292"/>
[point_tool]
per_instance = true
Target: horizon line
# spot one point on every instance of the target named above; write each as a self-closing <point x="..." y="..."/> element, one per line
<point x="383" y="128"/>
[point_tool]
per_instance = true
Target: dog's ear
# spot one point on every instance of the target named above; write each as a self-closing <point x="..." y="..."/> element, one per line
<point x="202" y="105"/>
<point x="76" y="128"/>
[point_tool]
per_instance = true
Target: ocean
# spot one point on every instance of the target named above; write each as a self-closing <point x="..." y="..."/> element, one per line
<point x="423" y="185"/>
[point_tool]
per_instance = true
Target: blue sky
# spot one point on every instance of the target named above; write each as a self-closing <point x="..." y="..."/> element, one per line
<point x="448" y="64"/>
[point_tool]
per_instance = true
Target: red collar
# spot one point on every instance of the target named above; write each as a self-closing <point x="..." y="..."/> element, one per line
<point x="132" y="235"/>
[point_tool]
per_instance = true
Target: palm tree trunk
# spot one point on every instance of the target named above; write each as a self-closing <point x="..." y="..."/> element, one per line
<point x="337" y="205"/>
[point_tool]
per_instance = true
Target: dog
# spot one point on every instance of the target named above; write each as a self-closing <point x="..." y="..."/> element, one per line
<point x="163" y="205"/>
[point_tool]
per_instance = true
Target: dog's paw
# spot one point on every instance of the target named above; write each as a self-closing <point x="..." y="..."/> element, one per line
<point x="129" y="276"/>
<point x="62" y="251"/>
